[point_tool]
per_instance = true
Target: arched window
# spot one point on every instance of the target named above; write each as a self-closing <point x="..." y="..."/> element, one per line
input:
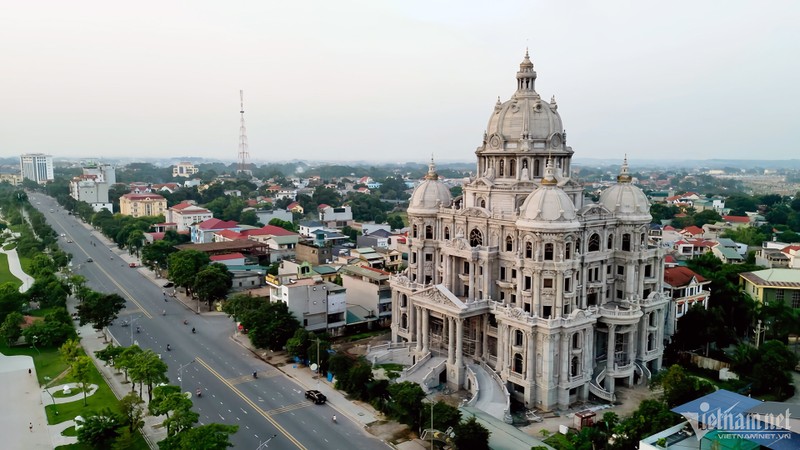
<point x="548" y="251"/>
<point x="568" y="250"/>
<point x="447" y="232"/>
<point x="626" y="242"/>
<point x="575" y="367"/>
<point x="651" y="342"/>
<point x="536" y="168"/>
<point x="414" y="231"/>
<point x="528" y="250"/>
<point x="475" y="238"/>
<point x="518" y="338"/>
<point x="517" y="363"/>
<point x="642" y="239"/>
<point x="483" y="203"/>
<point x="594" y="242"/>
<point x="577" y="245"/>
<point x="652" y="319"/>
<point x="610" y="244"/>
<point x="576" y="341"/>
<point x="403" y="301"/>
<point x="502" y="168"/>
<point x="509" y="244"/>
<point x="512" y="168"/>
<point x="428" y="232"/>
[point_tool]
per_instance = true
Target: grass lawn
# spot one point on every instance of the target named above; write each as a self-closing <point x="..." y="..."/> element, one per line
<point x="47" y="360"/>
<point x="25" y="263"/>
<point x="74" y="390"/>
<point x="102" y="398"/>
<point x="71" y="431"/>
<point x="5" y="273"/>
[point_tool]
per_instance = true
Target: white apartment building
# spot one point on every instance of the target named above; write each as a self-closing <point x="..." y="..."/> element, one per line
<point x="37" y="167"/>
<point x="318" y="305"/>
<point x="184" y="169"/>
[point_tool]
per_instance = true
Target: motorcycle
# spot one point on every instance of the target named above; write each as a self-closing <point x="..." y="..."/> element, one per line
<point x="199" y="393"/>
<point x="255" y="375"/>
<point x="193" y="331"/>
<point x="169" y="348"/>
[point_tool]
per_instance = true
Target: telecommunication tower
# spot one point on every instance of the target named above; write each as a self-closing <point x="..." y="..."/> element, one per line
<point x="244" y="154"/>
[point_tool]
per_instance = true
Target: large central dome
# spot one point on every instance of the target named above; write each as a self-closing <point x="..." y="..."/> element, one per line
<point x="525" y="118"/>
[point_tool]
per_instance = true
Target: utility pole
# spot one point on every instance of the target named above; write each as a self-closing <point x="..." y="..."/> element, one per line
<point x="180" y="373"/>
<point x="759" y="331"/>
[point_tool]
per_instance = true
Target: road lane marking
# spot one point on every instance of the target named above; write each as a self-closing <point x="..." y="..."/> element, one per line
<point x="288" y="408"/>
<point x="253" y="405"/>
<point x="249" y="377"/>
<point x="124" y="291"/>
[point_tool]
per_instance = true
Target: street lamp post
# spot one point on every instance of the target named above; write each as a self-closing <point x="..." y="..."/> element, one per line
<point x="266" y="443"/>
<point x="35" y="338"/>
<point x="180" y="373"/>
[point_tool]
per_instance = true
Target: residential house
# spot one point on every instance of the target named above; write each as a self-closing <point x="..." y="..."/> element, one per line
<point x="141" y="205"/>
<point x="286" y="193"/>
<point x="369" y="288"/>
<point x="377" y="239"/>
<point x="335" y="217"/>
<point x="307" y="228"/>
<point x="314" y="254"/>
<point x="685" y="288"/>
<point x="295" y="208"/>
<point x="691" y="248"/>
<point x="770" y="285"/>
<point x="369" y="257"/>
<point x="165" y="187"/>
<point x="203" y="232"/>
<point x="184" y="169"/>
<point x="727" y="255"/>
<point x="318" y="305"/>
<point x="371" y="227"/>
<point x="186" y="214"/>
<point x="266" y="215"/>
<point x="737" y="221"/>
<point x="329" y="238"/>
<point x="692" y="232"/>
<point x="229" y="259"/>
<point x="91" y="189"/>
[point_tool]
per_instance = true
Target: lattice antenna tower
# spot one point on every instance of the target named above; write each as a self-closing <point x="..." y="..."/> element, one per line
<point x="244" y="153"/>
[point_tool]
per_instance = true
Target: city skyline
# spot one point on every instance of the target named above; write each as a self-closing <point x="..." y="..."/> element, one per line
<point x="394" y="82"/>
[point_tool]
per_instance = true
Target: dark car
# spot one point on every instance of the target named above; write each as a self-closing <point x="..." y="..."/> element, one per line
<point x="89" y="260"/>
<point x="316" y="396"/>
<point x="169" y="284"/>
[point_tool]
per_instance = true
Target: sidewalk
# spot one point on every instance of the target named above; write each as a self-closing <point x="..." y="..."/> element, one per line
<point x="16" y="269"/>
<point x="93" y="341"/>
<point x="358" y="412"/>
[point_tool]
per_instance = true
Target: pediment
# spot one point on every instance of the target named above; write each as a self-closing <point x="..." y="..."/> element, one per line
<point x="474" y="212"/>
<point x="483" y="181"/>
<point x="440" y="295"/>
<point x="594" y="209"/>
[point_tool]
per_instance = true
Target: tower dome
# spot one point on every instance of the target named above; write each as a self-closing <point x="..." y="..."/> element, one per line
<point x="624" y="198"/>
<point x="525" y="118"/>
<point x="548" y="207"/>
<point x="430" y="194"/>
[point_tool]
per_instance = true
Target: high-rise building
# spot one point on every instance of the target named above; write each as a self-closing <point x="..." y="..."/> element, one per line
<point x="37" y="167"/>
<point x="522" y="276"/>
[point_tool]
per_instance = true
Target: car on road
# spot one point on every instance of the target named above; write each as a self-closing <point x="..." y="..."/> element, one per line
<point x="316" y="396"/>
<point x="133" y="264"/>
<point x="69" y="241"/>
<point x="169" y="284"/>
<point x="89" y="260"/>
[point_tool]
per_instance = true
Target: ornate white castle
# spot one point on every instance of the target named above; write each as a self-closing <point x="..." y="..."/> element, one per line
<point x="523" y="277"/>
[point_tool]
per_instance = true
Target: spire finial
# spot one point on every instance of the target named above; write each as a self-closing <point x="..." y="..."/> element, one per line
<point x="549" y="178"/>
<point x="432" y="175"/>
<point x="624" y="175"/>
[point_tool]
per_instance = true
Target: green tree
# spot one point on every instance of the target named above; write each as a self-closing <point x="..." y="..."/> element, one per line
<point x="680" y="387"/>
<point x="81" y="371"/>
<point x="11" y="300"/>
<point x="148" y="368"/>
<point x="298" y="344"/>
<point x="126" y="359"/>
<point x="12" y="327"/>
<point x="239" y="305"/>
<point x="271" y="325"/>
<point x="70" y="351"/>
<point x="157" y="254"/>
<point x="406" y="401"/>
<point x="286" y="225"/>
<point x="212" y="282"/>
<point x="444" y="415"/>
<point x="395" y="222"/>
<point x="185" y="265"/>
<point x="100" y="310"/>
<point x="471" y="435"/>
<point x="110" y="354"/>
<point x="249" y="217"/>
<point x="214" y="436"/>
<point x="181" y="419"/>
<point x="48" y="334"/>
<point x="132" y="409"/>
<point x="99" y="431"/>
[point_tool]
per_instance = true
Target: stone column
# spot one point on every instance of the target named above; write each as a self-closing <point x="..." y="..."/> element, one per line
<point x="478" y="323"/>
<point x="419" y="328"/>
<point x="530" y="369"/>
<point x="501" y="345"/>
<point x="425" y="330"/>
<point x="641" y="277"/>
<point x="471" y="293"/>
<point x="609" y="382"/>
<point x="450" y="341"/>
<point x="536" y="299"/>
<point x="486" y="279"/>
<point x="566" y="358"/>
<point x="644" y="330"/>
<point x="559" y="295"/>
<point x="459" y="341"/>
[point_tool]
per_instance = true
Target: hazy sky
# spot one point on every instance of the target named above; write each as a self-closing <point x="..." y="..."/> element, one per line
<point x="395" y="80"/>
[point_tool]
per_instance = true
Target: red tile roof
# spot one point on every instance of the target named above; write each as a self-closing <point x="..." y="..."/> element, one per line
<point x="680" y="276"/>
<point x="278" y="231"/>
<point x="230" y="234"/>
<point x="217" y="224"/>
<point x="227" y="256"/>
<point x="736" y="219"/>
<point x="143" y="196"/>
<point x="693" y="230"/>
<point x="790" y="248"/>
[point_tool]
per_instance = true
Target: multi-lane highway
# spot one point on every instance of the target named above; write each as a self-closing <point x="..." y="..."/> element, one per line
<point x="272" y="404"/>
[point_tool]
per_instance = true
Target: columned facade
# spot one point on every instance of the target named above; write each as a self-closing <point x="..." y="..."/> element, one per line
<point x="558" y="296"/>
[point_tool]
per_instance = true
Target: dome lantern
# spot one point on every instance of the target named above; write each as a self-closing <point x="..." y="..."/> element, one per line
<point x="526" y="77"/>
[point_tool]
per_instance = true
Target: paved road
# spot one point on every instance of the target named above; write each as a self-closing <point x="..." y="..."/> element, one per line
<point x="270" y="405"/>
